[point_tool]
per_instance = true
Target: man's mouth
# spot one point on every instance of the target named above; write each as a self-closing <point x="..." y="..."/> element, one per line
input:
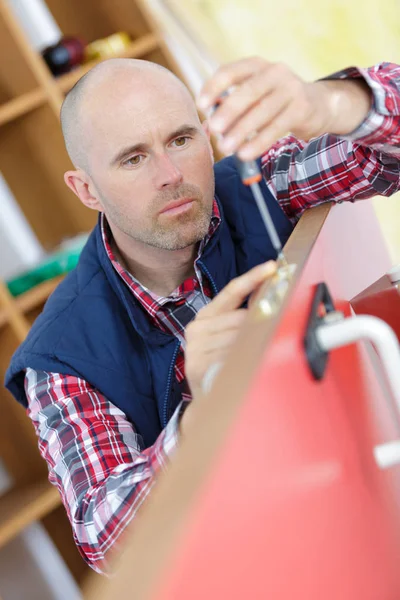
<point x="177" y="206"/>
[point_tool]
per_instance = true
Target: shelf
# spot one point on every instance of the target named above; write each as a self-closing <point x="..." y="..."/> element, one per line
<point x="140" y="47"/>
<point x="20" y="106"/>
<point x="37" y="295"/>
<point x="3" y="318"/>
<point x="21" y="506"/>
<point x="32" y="298"/>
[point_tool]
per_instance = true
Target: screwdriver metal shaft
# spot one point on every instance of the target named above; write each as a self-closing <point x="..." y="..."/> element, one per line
<point x="251" y="176"/>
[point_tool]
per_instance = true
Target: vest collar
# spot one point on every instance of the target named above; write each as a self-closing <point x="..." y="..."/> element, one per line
<point x="137" y="314"/>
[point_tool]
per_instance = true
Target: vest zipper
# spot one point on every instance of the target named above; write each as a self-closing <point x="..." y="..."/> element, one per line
<point x="207" y="272"/>
<point x="169" y="381"/>
<point x="172" y="365"/>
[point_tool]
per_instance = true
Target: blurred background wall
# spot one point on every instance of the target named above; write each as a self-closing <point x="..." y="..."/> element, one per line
<point x="312" y="36"/>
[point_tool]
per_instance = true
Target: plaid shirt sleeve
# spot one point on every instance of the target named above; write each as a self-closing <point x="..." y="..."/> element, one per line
<point x="94" y="458"/>
<point x="357" y="166"/>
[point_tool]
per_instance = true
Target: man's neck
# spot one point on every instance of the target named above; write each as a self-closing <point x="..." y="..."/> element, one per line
<point x="160" y="271"/>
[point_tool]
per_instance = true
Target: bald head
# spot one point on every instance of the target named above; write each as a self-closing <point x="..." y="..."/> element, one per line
<point x="99" y="90"/>
<point x="134" y="135"/>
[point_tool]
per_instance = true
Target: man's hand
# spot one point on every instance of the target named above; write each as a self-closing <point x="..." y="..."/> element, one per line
<point x="268" y="101"/>
<point x="211" y="334"/>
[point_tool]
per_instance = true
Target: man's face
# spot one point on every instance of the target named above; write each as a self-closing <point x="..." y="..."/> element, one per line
<point x="151" y="165"/>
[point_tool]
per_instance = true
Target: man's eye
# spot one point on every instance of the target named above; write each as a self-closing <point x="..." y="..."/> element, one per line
<point x="181" y="141"/>
<point x="133" y="161"/>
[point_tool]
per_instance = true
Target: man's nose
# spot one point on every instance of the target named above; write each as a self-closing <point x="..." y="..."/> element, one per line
<point x="167" y="172"/>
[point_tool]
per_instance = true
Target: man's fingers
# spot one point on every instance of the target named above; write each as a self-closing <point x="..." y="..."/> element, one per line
<point x="205" y="326"/>
<point x="249" y="94"/>
<point x="211" y="334"/>
<point x="237" y="290"/>
<point x="256" y="120"/>
<point x="197" y="367"/>
<point x="225" y="77"/>
<point x="276" y="129"/>
<point x="222" y="340"/>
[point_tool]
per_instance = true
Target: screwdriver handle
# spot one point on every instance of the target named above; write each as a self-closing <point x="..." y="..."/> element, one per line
<point x="248" y="171"/>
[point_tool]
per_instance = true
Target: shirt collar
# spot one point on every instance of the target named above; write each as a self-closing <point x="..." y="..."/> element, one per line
<point x="137" y="288"/>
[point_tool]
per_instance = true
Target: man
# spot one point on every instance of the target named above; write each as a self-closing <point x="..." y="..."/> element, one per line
<point x="103" y="371"/>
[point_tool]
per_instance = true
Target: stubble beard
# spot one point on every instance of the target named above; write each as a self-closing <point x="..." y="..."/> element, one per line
<point x="171" y="232"/>
<point x="183" y="230"/>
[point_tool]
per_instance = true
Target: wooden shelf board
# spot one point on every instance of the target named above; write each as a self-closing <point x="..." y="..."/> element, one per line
<point x="37" y="295"/>
<point x="32" y="298"/>
<point x="21" y="506"/>
<point x="3" y="318"/>
<point x="20" y="106"/>
<point x="143" y="45"/>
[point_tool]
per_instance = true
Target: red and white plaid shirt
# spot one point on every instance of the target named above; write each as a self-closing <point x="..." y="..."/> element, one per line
<point x="91" y="448"/>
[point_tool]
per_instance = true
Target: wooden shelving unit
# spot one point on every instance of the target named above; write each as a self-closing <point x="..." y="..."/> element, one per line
<point x="26" y="302"/>
<point x="22" y="105"/>
<point x="22" y="506"/>
<point x="32" y="161"/>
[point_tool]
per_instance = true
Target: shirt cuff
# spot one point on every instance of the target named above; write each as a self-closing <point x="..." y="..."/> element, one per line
<point x="381" y="121"/>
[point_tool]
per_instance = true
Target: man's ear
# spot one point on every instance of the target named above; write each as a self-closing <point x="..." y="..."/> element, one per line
<point x="79" y="182"/>
<point x="208" y="134"/>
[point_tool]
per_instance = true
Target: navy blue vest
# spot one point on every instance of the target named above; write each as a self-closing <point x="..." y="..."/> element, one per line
<point x="92" y="327"/>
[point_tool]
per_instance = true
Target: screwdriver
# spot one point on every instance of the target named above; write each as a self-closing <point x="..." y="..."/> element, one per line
<point x="251" y="176"/>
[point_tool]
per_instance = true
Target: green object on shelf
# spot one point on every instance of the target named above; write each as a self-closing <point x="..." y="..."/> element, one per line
<point x="56" y="264"/>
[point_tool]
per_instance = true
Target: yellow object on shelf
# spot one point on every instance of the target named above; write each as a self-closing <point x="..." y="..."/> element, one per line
<point x="107" y="47"/>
